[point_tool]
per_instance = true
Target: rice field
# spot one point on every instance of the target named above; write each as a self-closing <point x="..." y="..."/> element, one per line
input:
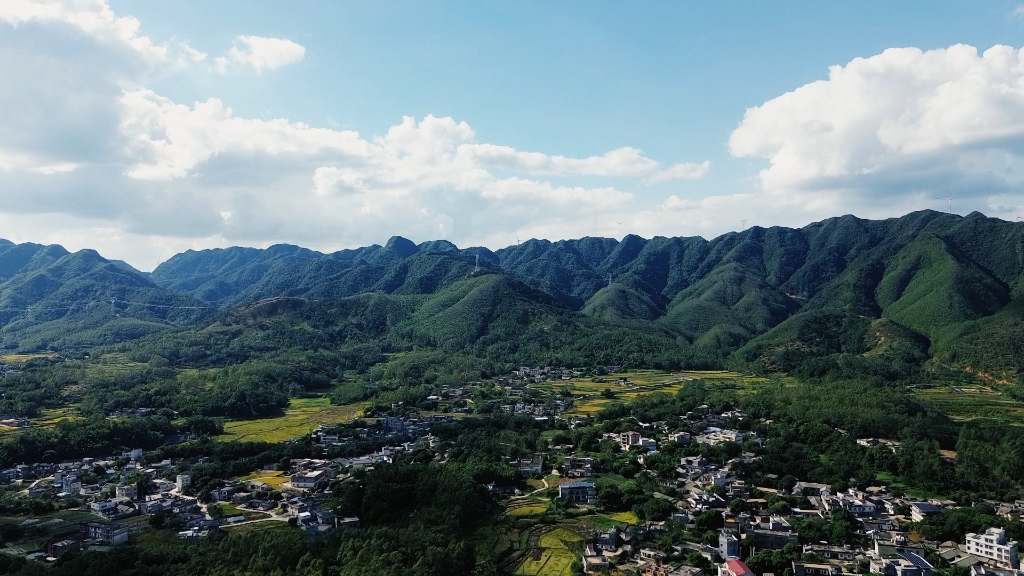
<point x="299" y="419"/>
<point x="627" y="517"/>
<point x="556" y="554"/>
<point x="964" y="403"/>
<point x="21" y="358"/>
<point x="48" y="418"/>
<point x="641" y="383"/>
<point x="528" y="508"/>
<point x="272" y="479"/>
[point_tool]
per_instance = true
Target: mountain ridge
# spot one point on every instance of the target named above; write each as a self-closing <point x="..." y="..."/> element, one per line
<point x="928" y="277"/>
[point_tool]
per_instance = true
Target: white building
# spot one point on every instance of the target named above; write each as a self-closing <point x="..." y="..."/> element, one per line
<point x="130" y="491"/>
<point x="994" y="546"/>
<point x="183" y="481"/>
<point x="307" y="480"/>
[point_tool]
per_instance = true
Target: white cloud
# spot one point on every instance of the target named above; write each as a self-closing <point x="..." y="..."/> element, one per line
<point x="903" y="122"/>
<point x="115" y="163"/>
<point x="619" y="162"/>
<point x="259" y="53"/>
<point x="681" y="171"/>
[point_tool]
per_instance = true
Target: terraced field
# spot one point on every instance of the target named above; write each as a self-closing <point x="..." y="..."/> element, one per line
<point x="556" y="551"/>
<point x="522" y="508"/>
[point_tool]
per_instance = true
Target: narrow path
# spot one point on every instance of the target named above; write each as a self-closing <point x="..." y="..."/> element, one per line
<point x="546" y="486"/>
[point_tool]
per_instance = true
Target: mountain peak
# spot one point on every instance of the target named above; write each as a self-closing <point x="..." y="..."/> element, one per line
<point x="401" y="246"/>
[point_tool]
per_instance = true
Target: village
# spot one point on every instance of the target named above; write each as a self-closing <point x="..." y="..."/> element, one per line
<point x="726" y="517"/>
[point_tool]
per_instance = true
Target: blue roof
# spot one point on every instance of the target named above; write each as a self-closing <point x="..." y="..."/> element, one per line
<point x="577" y="485"/>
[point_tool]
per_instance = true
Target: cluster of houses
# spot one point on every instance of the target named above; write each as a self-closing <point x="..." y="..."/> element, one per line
<point x="701" y="486"/>
<point x="120" y="490"/>
<point x="539" y="410"/>
<point x="529" y="374"/>
<point x="390" y="428"/>
<point x="891" y="553"/>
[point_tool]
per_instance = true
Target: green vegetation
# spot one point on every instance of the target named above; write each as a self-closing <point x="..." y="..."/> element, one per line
<point x="909" y="330"/>
<point x="300" y="417"/>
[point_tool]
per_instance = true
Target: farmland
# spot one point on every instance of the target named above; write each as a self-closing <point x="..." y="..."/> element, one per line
<point x="963" y="403"/>
<point x="554" y="554"/>
<point x="628" y="386"/>
<point x="301" y="416"/>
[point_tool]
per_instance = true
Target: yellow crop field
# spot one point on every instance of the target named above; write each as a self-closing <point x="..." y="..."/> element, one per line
<point x="627" y="517"/>
<point x="272" y="479"/>
<point x="530" y="510"/>
<point x="301" y="416"/>
<point x="556" y="557"/>
<point x="19" y="358"/>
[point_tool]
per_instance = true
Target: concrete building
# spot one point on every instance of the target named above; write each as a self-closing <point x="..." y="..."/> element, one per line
<point x="307" y="480"/>
<point x="129" y="491"/>
<point x="994" y="546"/>
<point x="728" y="545"/>
<point x="109" y="534"/>
<point x="578" y="492"/>
<point x="183" y="481"/>
<point x="905" y="564"/>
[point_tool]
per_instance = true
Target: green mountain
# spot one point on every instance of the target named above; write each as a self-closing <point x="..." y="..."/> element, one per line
<point x="50" y="298"/>
<point x="232" y="276"/>
<point x="924" y="285"/>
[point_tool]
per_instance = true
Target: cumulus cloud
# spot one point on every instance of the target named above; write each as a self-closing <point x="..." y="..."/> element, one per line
<point x="905" y="121"/>
<point x="258" y="53"/>
<point x="112" y="164"/>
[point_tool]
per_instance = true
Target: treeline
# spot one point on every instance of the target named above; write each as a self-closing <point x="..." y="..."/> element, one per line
<point x="96" y="436"/>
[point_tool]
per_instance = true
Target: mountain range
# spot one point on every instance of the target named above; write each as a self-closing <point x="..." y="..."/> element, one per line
<point x="928" y="285"/>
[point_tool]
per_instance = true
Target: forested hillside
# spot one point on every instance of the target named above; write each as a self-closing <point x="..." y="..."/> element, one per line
<point x="927" y="285"/>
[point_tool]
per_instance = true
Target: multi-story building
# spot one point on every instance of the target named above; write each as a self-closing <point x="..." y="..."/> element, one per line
<point x="581" y="492"/>
<point x="109" y="534"/>
<point x="993" y="545"/>
<point x="130" y="491"/>
<point x="183" y="481"/>
<point x="728" y="545"/>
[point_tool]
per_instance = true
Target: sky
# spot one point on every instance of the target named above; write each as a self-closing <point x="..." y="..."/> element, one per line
<point x="142" y="129"/>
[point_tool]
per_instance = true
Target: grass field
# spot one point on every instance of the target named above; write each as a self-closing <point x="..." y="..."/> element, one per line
<point x="301" y="416"/>
<point x="231" y="510"/>
<point x="556" y="557"/>
<point x="37" y="530"/>
<point x="972" y="402"/>
<point x="889" y="480"/>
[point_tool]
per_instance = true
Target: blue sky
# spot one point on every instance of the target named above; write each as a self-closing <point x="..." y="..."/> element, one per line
<point x="574" y="81"/>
